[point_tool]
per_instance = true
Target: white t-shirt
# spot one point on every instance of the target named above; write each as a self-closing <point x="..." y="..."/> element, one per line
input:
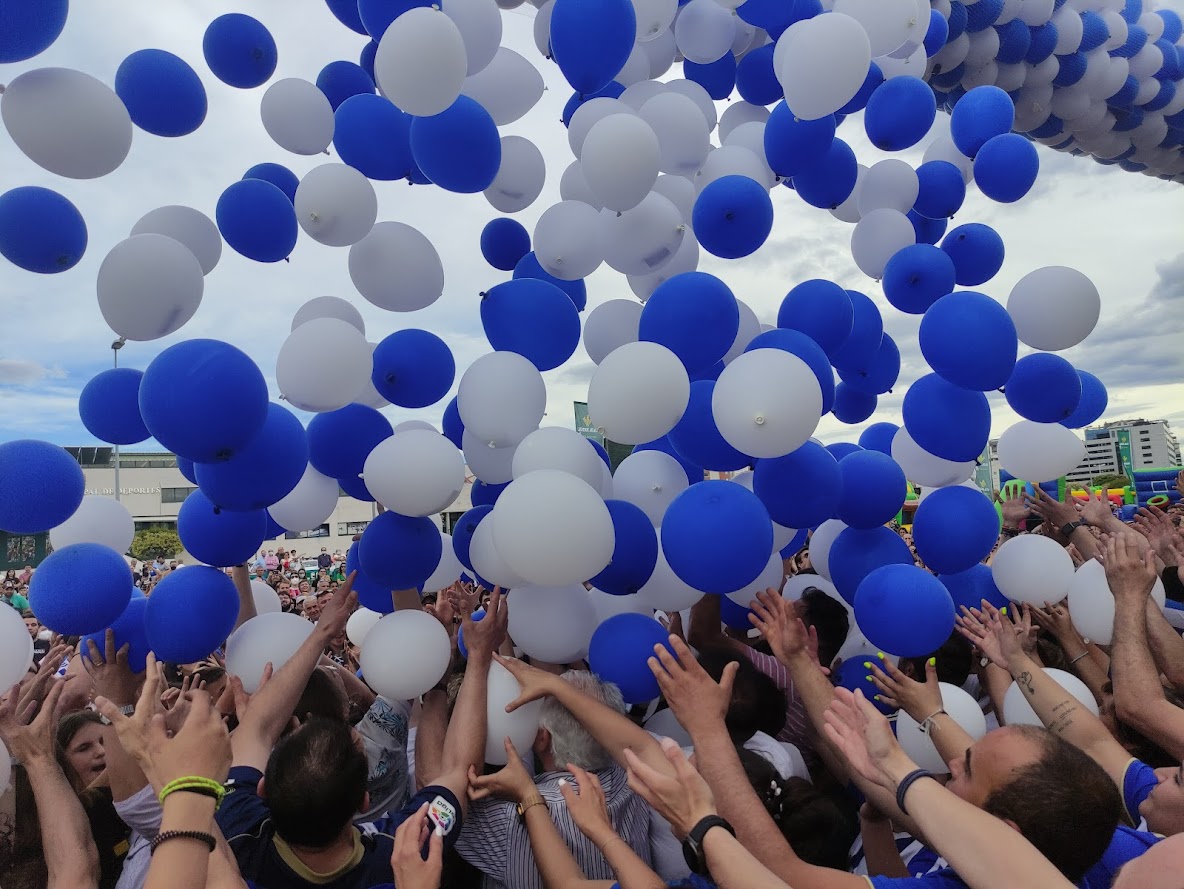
<point x="384" y="731"/>
<point x="142" y="813"/>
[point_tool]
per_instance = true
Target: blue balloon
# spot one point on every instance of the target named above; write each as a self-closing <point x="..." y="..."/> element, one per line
<point x="954" y="529"/>
<point x="278" y="175"/>
<point x="601" y="452"/>
<point x="219" y="537"/>
<point x="899" y="113"/>
<point x="458" y="149"/>
<point x="40" y="231"/>
<point x="478" y="615"/>
<point x="400" y="551"/>
<point x="373" y="137"/>
<point x="109" y="407"/>
<point x="718" y="77"/>
<point x="257" y="220"/>
<point x="694" y="315"/>
<point x="717" y="537"/>
<point x="904" y="610"/>
<point x="128" y="630"/>
<point x="413" y="368"/>
<point x="698" y="439"/>
<point x="801" y="489"/>
<point x="194" y="380"/>
<point x="591" y="40"/>
<point x="483" y="494"/>
<point x="29" y="27"/>
<point x="977" y="252"/>
<point x="929" y="231"/>
<point x="1005" y="169"/>
<point x="240" y="51"/>
<point x="829" y="180"/>
<point x="1092" y="405"/>
<point x="772" y="15"/>
<point x="346" y="12"/>
<point x="942" y="190"/>
<point x="356" y="488"/>
<point x="876" y="373"/>
<point x="755" y="79"/>
<point x="1015" y="39"/>
<point x="451" y="424"/>
<point x="663" y="444"/>
<point x="969" y="340"/>
<point x="854" y="676"/>
<point x="732" y="217"/>
<point x="856" y="553"/>
<point x="841" y="449"/>
<point x="981" y="15"/>
<point x="635" y="551"/>
<point x="793" y="145"/>
<point x="342" y="80"/>
<point x="878" y="437"/>
<point x="190" y="614"/>
<point x="611" y="90"/>
<point x="873" y="489"/>
<point x="733" y="615"/>
<point x="796" y="545"/>
<point x="188" y="469"/>
<point x="504" y="242"/>
<point x="340" y="441"/>
<point x="41" y="486"/>
<point x="376" y="15"/>
<point x="982" y="114"/>
<point x="372" y="595"/>
<point x="534" y="319"/>
<point x="917" y="276"/>
<point x="529" y="267"/>
<point x="163" y="95"/>
<point x="867" y="332"/>
<point x="797" y="343"/>
<point x="366" y="59"/>
<point x="852" y="405"/>
<point x="871" y="83"/>
<point x="820" y="309"/>
<point x="265" y="471"/>
<point x="938" y="33"/>
<point x="1044" y="388"/>
<point x="463" y="530"/>
<point x="619" y="653"/>
<point x="969" y="588"/>
<point x="272" y="529"/>
<point x="80" y="589"/>
<point x="946" y="420"/>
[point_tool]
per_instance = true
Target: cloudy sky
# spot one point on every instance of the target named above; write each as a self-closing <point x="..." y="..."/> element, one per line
<point x="1123" y="230"/>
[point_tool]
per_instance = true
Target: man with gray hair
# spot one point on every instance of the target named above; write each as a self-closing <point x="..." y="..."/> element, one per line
<point x="494" y="838"/>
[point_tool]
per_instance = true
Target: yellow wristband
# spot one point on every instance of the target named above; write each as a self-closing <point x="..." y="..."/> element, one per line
<point x="195" y="784"/>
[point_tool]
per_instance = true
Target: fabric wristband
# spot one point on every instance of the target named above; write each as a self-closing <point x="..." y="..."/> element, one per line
<point x="195" y="784"/>
<point x="909" y="780"/>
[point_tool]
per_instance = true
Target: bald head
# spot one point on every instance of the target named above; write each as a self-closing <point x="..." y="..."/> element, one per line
<point x="1160" y="867"/>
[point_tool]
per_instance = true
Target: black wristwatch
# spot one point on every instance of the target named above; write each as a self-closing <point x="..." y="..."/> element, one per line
<point x="1067" y="530"/>
<point x="692" y="846"/>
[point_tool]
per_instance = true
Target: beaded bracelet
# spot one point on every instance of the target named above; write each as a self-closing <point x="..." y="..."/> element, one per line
<point x="195" y="784"/>
<point x="166" y="835"/>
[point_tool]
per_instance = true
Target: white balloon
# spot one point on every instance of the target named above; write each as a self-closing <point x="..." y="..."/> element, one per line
<point x="1091" y="604"/>
<point x="680" y="191"/>
<point x="650" y="480"/>
<point x="634" y="96"/>
<point x="961" y="708"/>
<point x="607" y="606"/>
<point x="520" y="727"/>
<point x="749" y="329"/>
<point x="699" y="95"/>
<point x="494" y="466"/>
<point x="665" y="590"/>
<point x="821" y="541"/>
<point x="704" y="30"/>
<point x="359" y="624"/>
<point x="336" y="205"/>
<point x="16" y="651"/>
<point x="487" y="561"/>
<point x="638" y="393"/>
<point x="767" y="403"/>
<point x="1040" y="452"/>
<point x="856" y="646"/>
<point x="554" y="447"/>
<point x="415" y="473"/>
<point x="396" y="268"/>
<point x="519" y="179"/>
<point x="824" y="64"/>
<point x="329" y="307"/>
<point x="553" y="529"/>
<point x="266" y="600"/>
<point x="848" y="211"/>
<point x="270" y="638"/>
<point x="769" y="578"/>
<point x="943" y="149"/>
<point x="796" y="585"/>
<point x="606" y="482"/>
<point x="567" y="240"/>
<point x="588" y="115"/>
<point x="636" y="67"/>
<point x="97" y="520"/>
<point x="574" y="187"/>
<point x="308" y="505"/>
<point x="781" y="534"/>
<point x="552" y="624"/>
<point x="653" y="17"/>
<point x="149" y="286"/>
<point x="421" y="63"/>
<point x="1032" y="569"/>
<point x="406" y="654"/>
<point x="1017" y="710"/>
<point x="661" y="52"/>
<point x="67" y="122"/>
<point x="620" y="159"/>
<point x="685" y="260"/>
<point x="322" y="365"/>
<point x="683" y="140"/>
<point x="480" y="25"/>
<point x="297" y="116"/>
<point x="501" y="399"/>
<point x="734" y="160"/>
<point x="192" y="228"/>
<point x="448" y="571"/>
<point x="642" y="240"/>
<point x="542" y="27"/>
<point x="666" y="725"/>
<point x="738" y="114"/>
<point x="508" y="87"/>
<point x="1054" y="308"/>
<point x="751" y="135"/>
<point x="890" y="184"/>
<point x="878" y="235"/>
<point x="887" y="22"/>
<point x="912" y="65"/>
<point x="368" y="395"/>
<point x="923" y="468"/>
<point x="609" y="326"/>
<point x="413" y="424"/>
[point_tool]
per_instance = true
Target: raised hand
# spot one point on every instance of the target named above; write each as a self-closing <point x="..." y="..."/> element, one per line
<point x="919" y="700"/>
<point x="1013" y="507"/>
<point x="775" y="617"/>
<point x="109" y="670"/>
<point x="697" y="700"/>
<point x="201" y="747"/>
<point x="1054" y="512"/>
<point x="411" y="869"/>
<point x="535" y="683"/>
<point x="333" y="616"/>
<point x="683" y="799"/>
<point x="26" y="736"/>
<point x="1129" y="572"/>
<point x="975" y="626"/>
<point x="483" y="637"/>
<point x="865" y="738"/>
<point x="1096" y="509"/>
<point x="512" y="782"/>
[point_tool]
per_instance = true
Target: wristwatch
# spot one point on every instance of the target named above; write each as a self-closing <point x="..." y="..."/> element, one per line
<point x="1067" y="530"/>
<point x="533" y="800"/>
<point x="692" y="846"/>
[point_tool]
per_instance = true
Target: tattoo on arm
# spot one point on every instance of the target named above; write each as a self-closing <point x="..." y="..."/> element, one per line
<point x="1062" y="717"/>
<point x="1025" y="682"/>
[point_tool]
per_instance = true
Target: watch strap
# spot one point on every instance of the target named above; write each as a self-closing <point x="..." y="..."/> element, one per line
<point x="692" y="846"/>
<point x="1068" y="529"/>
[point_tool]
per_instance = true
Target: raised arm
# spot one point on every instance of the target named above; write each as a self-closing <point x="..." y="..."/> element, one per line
<point x="246" y="599"/>
<point x="1166" y="646"/>
<point x="115" y="681"/>
<point x="1086" y="660"/>
<point x="706" y="629"/>
<point x="922" y="701"/>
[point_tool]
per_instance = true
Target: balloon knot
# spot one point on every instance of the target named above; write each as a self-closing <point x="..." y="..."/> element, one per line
<point x="729" y="216"/>
<point x="287" y="259"/>
<point x="1" y="89"/>
<point x="760" y="421"/>
<point x="483" y="294"/>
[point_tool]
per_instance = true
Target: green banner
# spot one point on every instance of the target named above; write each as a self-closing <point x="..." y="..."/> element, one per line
<point x="1124" y="453"/>
<point x="584" y="424"/>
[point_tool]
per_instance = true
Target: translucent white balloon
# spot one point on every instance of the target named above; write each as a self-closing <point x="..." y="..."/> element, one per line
<point x="638" y="393"/>
<point x="1054" y="308"/>
<point x="396" y="268"/>
<point x="309" y="505"/>
<point x="193" y="229"/>
<point x="405" y="654"/>
<point x="923" y="468"/>
<point x="635" y="96"/>
<point x="480" y="25"/>
<point x="554" y="447"/>
<point x="821" y="541"/>
<point x="644" y="239"/>
<point x="553" y="529"/>
<point x="734" y="160"/>
<point x="1039" y="452"/>
<point x="487" y="561"/>
<point x="267" y="639"/>
<point x="519" y="179"/>
<point x="415" y="473"/>
<point x="767" y="403"/>
<point x="520" y="727"/>
<point x="329" y="307"/>
<point x="448" y="571"/>
<point x="567" y="240"/>
<point x="266" y="600"/>
<point x="620" y="159"/>
<point x="1091" y="604"/>
<point x="1032" y="569"/>
<point x="878" y="235"/>
<point x="493" y="465"/>
<point x="824" y="64"/>
<point x="97" y="520"/>
<point x="542" y="27"/>
<point x="322" y="365"/>
<point x="636" y="67"/>
<point x="607" y="606"/>
<point x="67" y="122"/>
<point x="698" y="94"/>
<point x="738" y="113"/>
<point x="961" y="708"/>
<point x="588" y="115"/>
<point x="336" y="205"/>
<point x="574" y="187"/>
<point x="751" y="135"/>
<point x="890" y="184"/>
<point x="16" y="651"/>
<point x="501" y="398"/>
<point x="912" y="65"/>
<point x="609" y="326"/>
<point x="1017" y="710"/>
<point x="704" y="30"/>
<point x="507" y="88"/>
<point x="797" y="585"/>
<point x="297" y="116"/>
<point x="359" y="624"/>
<point x="552" y="624"/>
<point x="661" y="52"/>
<point x="683" y="140"/>
<point x="664" y="590"/>
<point x="770" y="578"/>
<point x="943" y="149"/>
<point x="421" y="63"/>
<point x="149" y="286"/>
<point x="685" y="260"/>
<point x="680" y="191"/>
<point x="653" y="17"/>
<point x="650" y="480"/>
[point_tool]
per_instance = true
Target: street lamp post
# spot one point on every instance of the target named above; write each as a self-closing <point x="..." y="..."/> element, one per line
<point x="115" y="347"/>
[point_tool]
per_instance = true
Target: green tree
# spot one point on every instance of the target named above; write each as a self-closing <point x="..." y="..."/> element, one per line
<point x="152" y="543"/>
<point x="1110" y="480"/>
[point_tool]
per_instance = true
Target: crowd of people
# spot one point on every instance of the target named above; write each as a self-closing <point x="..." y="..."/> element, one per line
<point x="777" y="775"/>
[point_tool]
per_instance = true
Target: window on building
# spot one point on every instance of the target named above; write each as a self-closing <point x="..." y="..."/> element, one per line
<point x="146" y="461"/>
<point x="349" y="529"/>
<point x="450" y="520"/>
<point x="322" y="531"/>
<point x="175" y="495"/>
<point x="20" y="550"/>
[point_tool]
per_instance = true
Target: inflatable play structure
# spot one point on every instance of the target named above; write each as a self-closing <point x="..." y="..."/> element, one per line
<point x="1156" y="487"/>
